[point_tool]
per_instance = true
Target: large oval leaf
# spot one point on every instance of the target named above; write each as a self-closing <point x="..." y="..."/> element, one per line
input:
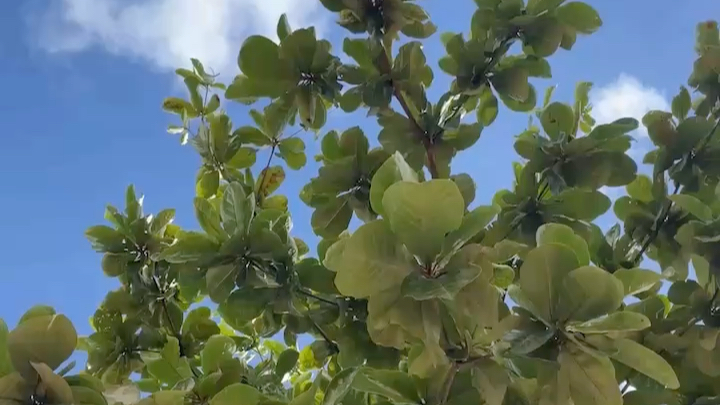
<point x="49" y="339"/>
<point x="589" y="292"/>
<point x="541" y="277"/>
<point x="369" y="261"/>
<point x="646" y="361"/>
<point x="421" y="214"/>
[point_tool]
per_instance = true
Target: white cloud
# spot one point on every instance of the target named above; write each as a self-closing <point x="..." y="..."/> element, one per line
<point x="626" y="97"/>
<point x="167" y="33"/>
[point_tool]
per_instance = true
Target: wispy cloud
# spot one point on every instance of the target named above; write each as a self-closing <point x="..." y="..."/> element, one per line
<point x="167" y="33"/>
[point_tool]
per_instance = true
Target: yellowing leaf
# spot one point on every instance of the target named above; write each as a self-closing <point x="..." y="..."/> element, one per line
<point x="268" y="181"/>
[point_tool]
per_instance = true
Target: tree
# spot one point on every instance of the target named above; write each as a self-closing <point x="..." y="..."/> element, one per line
<point x="432" y="300"/>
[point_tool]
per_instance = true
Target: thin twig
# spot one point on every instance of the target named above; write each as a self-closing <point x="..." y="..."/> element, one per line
<point x="265" y="171"/>
<point x="318" y="329"/>
<point x="173" y="330"/>
<point x="308" y="294"/>
<point x="448" y="383"/>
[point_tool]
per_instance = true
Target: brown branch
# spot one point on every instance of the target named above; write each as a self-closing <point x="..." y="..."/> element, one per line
<point x="386" y="69"/>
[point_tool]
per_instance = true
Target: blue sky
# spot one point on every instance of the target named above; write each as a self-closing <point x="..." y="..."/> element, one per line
<point x="84" y="80"/>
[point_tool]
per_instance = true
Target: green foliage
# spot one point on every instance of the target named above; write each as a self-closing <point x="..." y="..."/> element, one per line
<point x="431" y="300"/>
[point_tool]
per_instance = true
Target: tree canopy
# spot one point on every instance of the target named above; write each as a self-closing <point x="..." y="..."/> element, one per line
<point x="433" y="299"/>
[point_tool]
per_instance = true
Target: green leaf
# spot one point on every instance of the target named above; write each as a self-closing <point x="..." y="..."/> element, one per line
<point x="371" y="260"/>
<point x="244" y="157"/>
<point x="488" y="110"/>
<point x="243" y="306"/>
<point x="332" y="218"/>
<point x="637" y="281"/>
<point x="36" y="311"/>
<point x="56" y="388"/>
<point x="168" y="367"/>
<point x="472" y="224"/>
<point x="339" y="386"/>
<point x="414" y="214"/>
<point x="541" y="277"/>
<point x="105" y="239"/>
<point x="395" y="385"/>
<point x="491" y="379"/>
<point x="580" y="16"/>
<point x="693" y="206"/>
<point x="681" y="104"/>
<point x="579" y="204"/>
<point x="464" y="136"/>
<point x="49" y="339"/>
<point x="5" y="362"/>
<point x="641" y="188"/>
<point x="169" y="397"/>
<point x="615" y="322"/>
<point x="592" y="379"/>
<point x="646" y="361"/>
<point x="207" y="183"/>
<point x="217" y="350"/>
<point x="161" y="221"/>
<point x="283" y="27"/>
<point x="221" y="281"/>
<point x="259" y="58"/>
<point x="209" y="220"/>
<point x="235" y="209"/>
<point x="446" y="286"/>
<point x="237" y="394"/>
<point x="190" y="246"/>
<point x="549" y="234"/>
<point x="286" y="362"/>
<point x="394" y="169"/>
<point x="315" y="276"/>
<point x="248" y="134"/>
<point x="466" y="185"/>
<point x="558" y="118"/>
<point x="307" y="397"/>
<point x="589" y="292"/>
<point x="292" y="151"/>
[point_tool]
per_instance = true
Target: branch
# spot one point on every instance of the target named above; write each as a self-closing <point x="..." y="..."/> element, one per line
<point x="318" y="329"/>
<point x="386" y="69"/>
<point x="665" y="211"/>
<point x="173" y="330"/>
<point x="309" y="294"/>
